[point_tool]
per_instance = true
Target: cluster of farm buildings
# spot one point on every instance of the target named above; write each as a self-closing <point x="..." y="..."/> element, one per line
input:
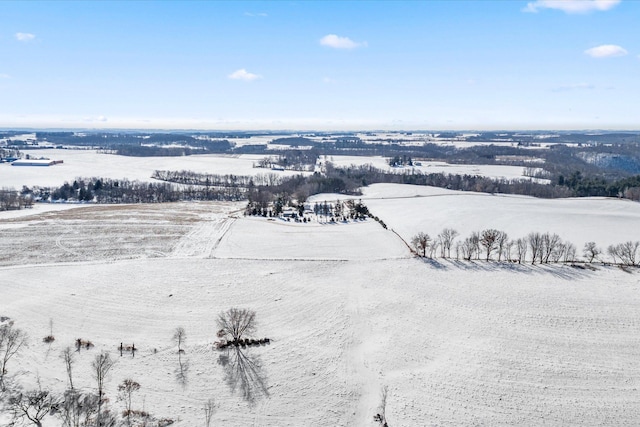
<point x="30" y="162"/>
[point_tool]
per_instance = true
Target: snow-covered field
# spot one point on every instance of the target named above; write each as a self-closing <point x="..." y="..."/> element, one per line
<point x="89" y="163"/>
<point x="347" y="308"/>
<point x="427" y="167"/>
<point x="409" y="209"/>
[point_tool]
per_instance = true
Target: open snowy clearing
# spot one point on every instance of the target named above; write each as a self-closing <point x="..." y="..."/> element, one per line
<point x="428" y="167"/>
<point x="409" y="209"/>
<point x="90" y="163"/>
<point x="347" y="308"/>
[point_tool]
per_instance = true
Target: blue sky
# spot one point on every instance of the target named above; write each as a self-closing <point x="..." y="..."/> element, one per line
<point x="564" y="64"/>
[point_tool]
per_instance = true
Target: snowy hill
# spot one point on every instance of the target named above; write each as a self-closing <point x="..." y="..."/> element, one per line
<point x="347" y="307"/>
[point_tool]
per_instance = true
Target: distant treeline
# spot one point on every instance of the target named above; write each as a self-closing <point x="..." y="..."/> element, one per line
<point x="9" y="153"/>
<point x="349" y="180"/>
<point x="104" y="190"/>
<point x="215" y="180"/>
<point x="262" y="190"/>
<point x="203" y="147"/>
<point x="139" y="145"/>
<point x="607" y="156"/>
<point x="581" y="186"/>
<point x="296" y="160"/>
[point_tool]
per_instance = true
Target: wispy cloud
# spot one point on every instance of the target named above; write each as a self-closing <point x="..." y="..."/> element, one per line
<point x="4" y="76"/>
<point x="571" y="6"/>
<point x="25" y="37"/>
<point x="337" y="42"/>
<point x="606" y="51"/>
<point x="261" y="14"/>
<point x="243" y="74"/>
<point x="96" y="119"/>
<point x="328" y="80"/>
<point x="572" y="87"/>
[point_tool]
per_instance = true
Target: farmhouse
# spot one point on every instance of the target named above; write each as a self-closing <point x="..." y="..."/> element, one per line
<point x="35" y="162"/>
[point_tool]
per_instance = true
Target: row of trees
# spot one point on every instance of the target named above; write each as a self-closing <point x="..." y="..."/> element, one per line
<point x="213" y="180"/>
<point x="10" y="199"/>
<point x="104" y="190"/>
<point x="296" y="160"/>
<point x="541" y="248"/>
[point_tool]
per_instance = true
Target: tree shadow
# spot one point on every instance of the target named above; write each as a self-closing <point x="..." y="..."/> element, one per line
<point x="181" y="371"/>
<point x="567" y="271"/>
<point x="434" y="263"/>
<point x="243" y="372"/>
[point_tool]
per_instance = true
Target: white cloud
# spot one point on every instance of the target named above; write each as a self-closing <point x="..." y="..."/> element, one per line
<point x="606" y="51"/>
<point x="4" y="76"/>
<point x="243" y="74"/>
<point x="25" y="37"/>
<point x="337" y="42"/>
<point x="576" y="86"/>
<point x="96" y="119"/>
<point x="571" y="6"/>
<point x="261" y="14"/>
<point x="328" y="80"/>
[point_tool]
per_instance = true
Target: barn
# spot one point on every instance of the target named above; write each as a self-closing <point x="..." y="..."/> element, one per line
<point x="35" y="162"/>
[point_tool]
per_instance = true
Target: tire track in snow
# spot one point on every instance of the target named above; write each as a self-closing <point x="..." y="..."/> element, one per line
<point x="203" y="239"/>
<point x="62" y="246"/>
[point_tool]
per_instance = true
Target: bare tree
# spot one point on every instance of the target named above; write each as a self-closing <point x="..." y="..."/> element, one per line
<point x="569" y="253"/>
<point x="591" y="251"/>
<point x="33" y="405"/>
<point x="420" y="243"/>
<point x="446" y="238"/>
<point x="474" y="241"/>
<point x="558" y="252"/>
<point x="179" y="337"/>
<point x="126" y="390"/>
<point x="502" y="242"/>
<point x="612" y="250"/>
<point x="489" y="240"/>
<point x="550" y="243"/>
<point x="630" y="252"/>
<point x="627" y="252"/>
<point x="535" y="243"/>
<point x="236" y="322"/>
<point x="508" y="248"/>
<point x="101" y="365"/>
<point x="433" y="248"/>
<point x="467" y="248"/>
<point x="11" y="341"/>
<point x="209" y="410"/>
<point x="77" y="409"/>
<point x="521" y="249"/>
<point x="68" y="357"/>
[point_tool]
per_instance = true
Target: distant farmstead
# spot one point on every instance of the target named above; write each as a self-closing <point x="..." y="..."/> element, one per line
<point x="34" y="162"/>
